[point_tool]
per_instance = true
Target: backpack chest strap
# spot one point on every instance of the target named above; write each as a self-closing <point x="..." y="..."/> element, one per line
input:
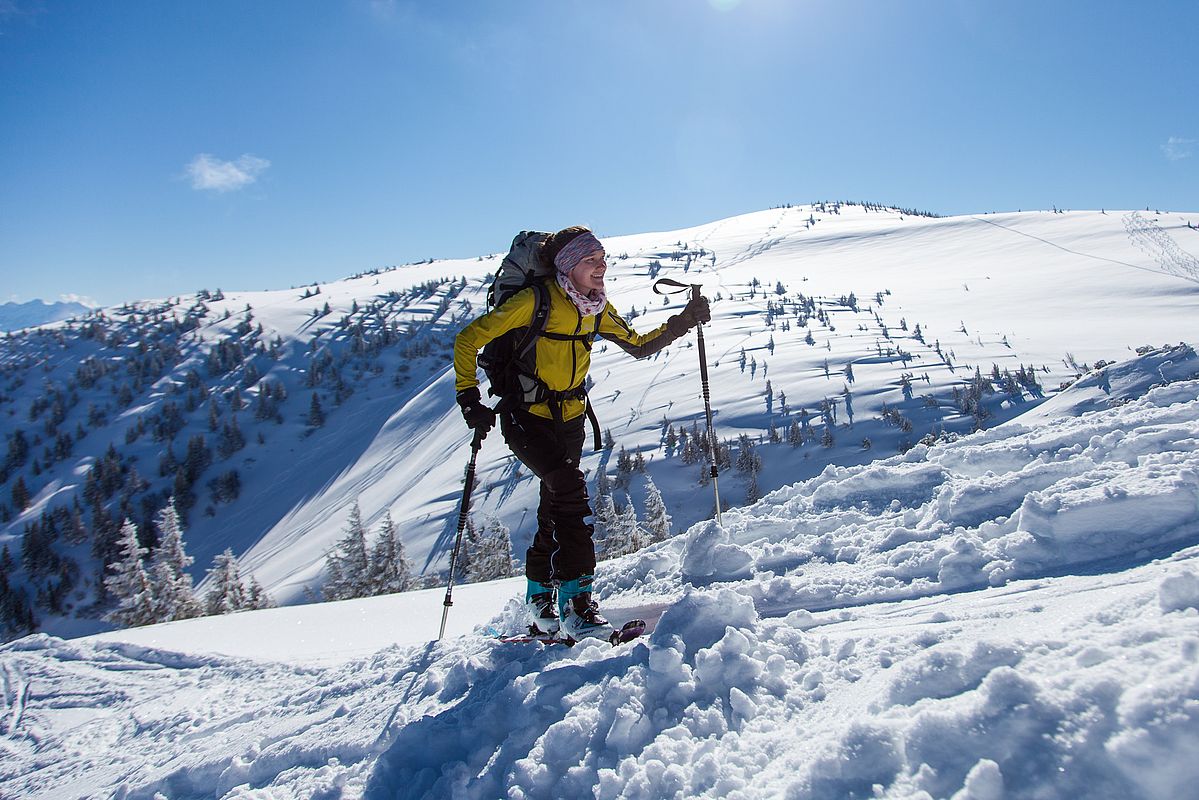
<point x="586" y="338"/>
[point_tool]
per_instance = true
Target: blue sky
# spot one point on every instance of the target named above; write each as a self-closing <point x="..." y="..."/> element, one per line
<point x="155" y="148"/>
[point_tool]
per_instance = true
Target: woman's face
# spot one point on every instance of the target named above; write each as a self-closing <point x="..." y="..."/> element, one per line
<point x="588" y="276"/>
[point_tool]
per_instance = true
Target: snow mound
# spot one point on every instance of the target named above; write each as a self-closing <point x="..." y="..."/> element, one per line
<point x="1112" y="488"/>
<point x="1179" y="591"/>
<point x="1116" y="384"/>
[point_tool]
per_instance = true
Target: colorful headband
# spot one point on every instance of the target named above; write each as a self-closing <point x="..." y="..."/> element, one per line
<point x="569" y="257"/>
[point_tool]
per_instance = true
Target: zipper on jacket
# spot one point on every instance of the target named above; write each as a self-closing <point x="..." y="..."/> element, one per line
<point x="574" y="357"/>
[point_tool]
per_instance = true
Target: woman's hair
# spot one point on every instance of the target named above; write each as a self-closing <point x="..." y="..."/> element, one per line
<point x="554" y="244"/>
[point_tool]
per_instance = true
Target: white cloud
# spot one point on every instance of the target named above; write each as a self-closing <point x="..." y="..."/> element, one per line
<point x="78" y="298"/>
<point x="210" y="173"/>
<point x="1177" y="148"/>
<point x="19" y="11"/>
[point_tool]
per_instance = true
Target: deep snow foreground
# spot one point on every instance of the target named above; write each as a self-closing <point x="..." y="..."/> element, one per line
<point x="1013" y="614"/>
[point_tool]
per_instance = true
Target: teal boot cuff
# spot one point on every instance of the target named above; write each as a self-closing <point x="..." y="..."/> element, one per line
<point x="573" y="588"/>
<point x="534" y="588"/>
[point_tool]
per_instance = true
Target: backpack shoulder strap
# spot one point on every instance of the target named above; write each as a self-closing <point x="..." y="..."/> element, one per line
<point x="541" y="315"/>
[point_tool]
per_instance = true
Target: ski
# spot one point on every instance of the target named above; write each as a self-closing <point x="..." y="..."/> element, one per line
<point x="627" y="633"/>
<point x="524" y="638"/>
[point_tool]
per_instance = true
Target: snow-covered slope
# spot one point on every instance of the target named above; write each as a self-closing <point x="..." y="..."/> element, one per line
<point x="1031" y="289"/>
<point x="823" y="300"/>
<point x="1011" y="614"/>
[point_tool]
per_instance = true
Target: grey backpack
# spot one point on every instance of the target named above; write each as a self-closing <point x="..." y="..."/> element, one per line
<point x="521" y="267"/>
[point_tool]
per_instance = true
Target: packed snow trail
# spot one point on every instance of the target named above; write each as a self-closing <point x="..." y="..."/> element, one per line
<point x="1015" y="613"/>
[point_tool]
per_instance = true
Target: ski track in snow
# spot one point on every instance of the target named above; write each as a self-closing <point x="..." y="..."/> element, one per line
<point x="16" y="691"/>
<point x="1015" y="613"/>
<point x="1157" y="243"/>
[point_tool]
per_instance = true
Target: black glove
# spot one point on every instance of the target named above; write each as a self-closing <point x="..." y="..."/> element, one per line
<point x="694" y="313"/>
<point x="479" y="417"/>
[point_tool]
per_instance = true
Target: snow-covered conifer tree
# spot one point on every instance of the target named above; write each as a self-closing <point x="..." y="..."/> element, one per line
<point x="227" y="593"/>
<point x="827" y="439"/>
<point x="690" y="454"/>
<point x="657" y="519"/>
<point x="334" y="585"/>
<point x="20" y="494"/>
<point x="16" y="615"/>
<point x="129" y="583"/>
<point x="604" y="522"/>
<point x="390" y="569"/>
<point x="746" y="455"/>
<point x="624" y="461"/>
<point x="492" y="553"/>
<point x="466" y="551"/>
<point x="256" y="596"/>
<point x="174" y="597"/>
<point x="316" y="415"/>
<point x="351" y="577"/>
<point x="794" y="434"/>
<point x="603" y="485"/>
<point x="231" y="439"/>
<point x="631" y="536"/>
<point x="752" y="492"/>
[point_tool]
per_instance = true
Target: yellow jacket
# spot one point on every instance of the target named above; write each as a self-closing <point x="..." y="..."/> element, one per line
<point x="561" y="365"/>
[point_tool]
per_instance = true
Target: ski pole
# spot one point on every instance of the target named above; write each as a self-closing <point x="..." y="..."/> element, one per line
<point x="703" y="377"/>
<point x="463" y="512"/>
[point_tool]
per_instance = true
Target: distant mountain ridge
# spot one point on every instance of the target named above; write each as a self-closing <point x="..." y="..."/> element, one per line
<point x="15" y="316"/>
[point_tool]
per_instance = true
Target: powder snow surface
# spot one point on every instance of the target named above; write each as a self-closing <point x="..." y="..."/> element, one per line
<point x="1013" y="614"/>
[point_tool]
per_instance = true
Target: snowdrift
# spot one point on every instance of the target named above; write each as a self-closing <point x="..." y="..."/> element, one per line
<point x="1011" y="614"/>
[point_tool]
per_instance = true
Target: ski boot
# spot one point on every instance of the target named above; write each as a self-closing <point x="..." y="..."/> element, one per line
<point x="578" y="614"/>
<point x="541" y="608"/>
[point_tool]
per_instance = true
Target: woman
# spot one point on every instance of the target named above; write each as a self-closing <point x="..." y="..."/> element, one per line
<point x="548" y="437"/>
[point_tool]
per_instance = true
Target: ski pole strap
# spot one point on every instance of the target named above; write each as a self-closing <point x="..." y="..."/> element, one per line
<point x="675" y="286"/>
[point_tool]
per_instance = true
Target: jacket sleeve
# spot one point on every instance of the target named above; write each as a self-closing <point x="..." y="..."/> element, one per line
<point x="517" y="312"/>
<point x="638" y="345"/>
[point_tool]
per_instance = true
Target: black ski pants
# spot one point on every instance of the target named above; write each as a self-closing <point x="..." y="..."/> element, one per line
<point x="562" y="548"/>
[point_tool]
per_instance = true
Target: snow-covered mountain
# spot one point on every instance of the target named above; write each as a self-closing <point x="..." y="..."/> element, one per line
<point x="15" y="316"/>
<point x="1011" y="614"/>
<point x="864" y="330"/>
